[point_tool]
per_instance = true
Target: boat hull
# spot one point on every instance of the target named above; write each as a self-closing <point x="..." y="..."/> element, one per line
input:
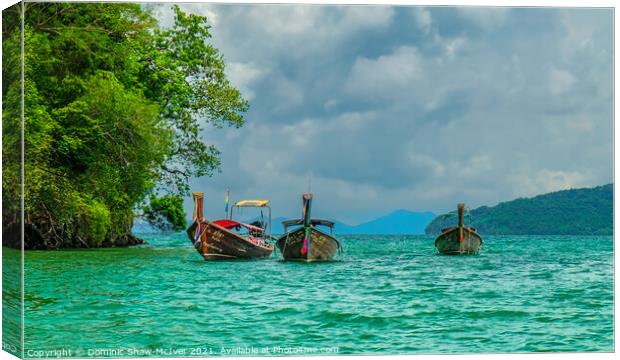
<point x="222" y="244"/>
<point x="448" y="242"/>
<point x="322" y="246"/>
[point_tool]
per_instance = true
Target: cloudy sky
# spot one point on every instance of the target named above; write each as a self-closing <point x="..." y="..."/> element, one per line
<point x="410" y="107"/>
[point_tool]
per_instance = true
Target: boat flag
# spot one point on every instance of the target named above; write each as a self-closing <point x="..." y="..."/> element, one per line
<point x="226" y="201"/>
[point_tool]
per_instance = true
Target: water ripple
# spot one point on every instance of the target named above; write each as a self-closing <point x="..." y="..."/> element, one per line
<point x="386" y="295"/>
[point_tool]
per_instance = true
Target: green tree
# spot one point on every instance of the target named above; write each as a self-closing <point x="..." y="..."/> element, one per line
<point x="114" y="109"/>
<point x="166" y="212"/>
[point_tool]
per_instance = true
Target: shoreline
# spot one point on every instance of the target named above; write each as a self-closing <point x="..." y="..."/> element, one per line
<point x="34" y="241"/>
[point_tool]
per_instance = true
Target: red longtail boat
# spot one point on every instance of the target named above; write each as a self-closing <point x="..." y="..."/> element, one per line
<point x="306" y="242"/>
<point x="457" y="240"/>
<point x="229" y="239"/>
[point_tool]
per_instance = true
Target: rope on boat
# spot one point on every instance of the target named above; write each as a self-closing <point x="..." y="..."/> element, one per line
<point x="200" y="229"/>
<point x="285" y="243"/>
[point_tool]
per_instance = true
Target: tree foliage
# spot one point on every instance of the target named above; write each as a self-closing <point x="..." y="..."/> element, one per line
<point x="114" y="108"/>
<point x="567" y="212"/>
<point x="166" y="212"/>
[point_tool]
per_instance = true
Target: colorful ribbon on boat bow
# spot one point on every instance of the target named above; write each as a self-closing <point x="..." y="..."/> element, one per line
<point x="200" y="229"/>
<point x="306" y="246"/>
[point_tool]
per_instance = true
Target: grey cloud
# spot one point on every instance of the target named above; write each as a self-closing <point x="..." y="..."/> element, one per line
<point x="411" y="107"/>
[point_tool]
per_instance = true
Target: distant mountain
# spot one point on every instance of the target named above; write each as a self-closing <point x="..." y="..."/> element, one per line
<point x="587" y="211"/>
<point x="397" y="223"/>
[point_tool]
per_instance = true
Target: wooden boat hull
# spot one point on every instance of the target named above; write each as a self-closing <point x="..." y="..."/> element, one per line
<point x="323" y="247"/>
<point x="448" y="241"/>
<point x="222" y="244"/>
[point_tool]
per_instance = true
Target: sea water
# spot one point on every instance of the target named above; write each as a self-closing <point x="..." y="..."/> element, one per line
<point x="384" y="295"/>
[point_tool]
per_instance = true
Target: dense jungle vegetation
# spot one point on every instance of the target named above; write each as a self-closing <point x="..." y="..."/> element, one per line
<point x="113" y="111"/>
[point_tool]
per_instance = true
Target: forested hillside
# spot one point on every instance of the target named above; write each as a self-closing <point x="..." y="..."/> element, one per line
<point x="113" y="113"/>
<point x="586" y="211"/>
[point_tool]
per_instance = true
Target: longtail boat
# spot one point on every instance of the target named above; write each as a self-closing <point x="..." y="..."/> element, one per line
<point x="227" y="238"/>
<point x="306" y="242"/>
<point x="460" y="239"/>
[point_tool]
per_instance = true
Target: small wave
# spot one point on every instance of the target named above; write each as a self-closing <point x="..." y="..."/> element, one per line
<point x="478" y="314"/>
<point x="356" y="319"/>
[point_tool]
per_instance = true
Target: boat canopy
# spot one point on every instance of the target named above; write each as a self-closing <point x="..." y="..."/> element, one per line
<point x="229" y="224"/>
<point x="314" y="222"/>
<point x="252" y="203"/>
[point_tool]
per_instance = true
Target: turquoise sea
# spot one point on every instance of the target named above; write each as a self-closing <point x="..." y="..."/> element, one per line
<point x="385" y="295"/>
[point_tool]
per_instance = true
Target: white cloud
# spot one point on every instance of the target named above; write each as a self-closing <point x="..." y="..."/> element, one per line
<point x="581" y="28"/>
<point x="287" y="20"/>
<point x="331" y="103"/>
<point x="243" y="76"/>
<point x="355" y="18"/>
<point x="486" y="18"/>
<point x="299" y="135"/>
<point x="385" y="75"/>
<point x="287" y="93"/>
<point x="318" y="22"/>
<point x="163" y="12"/>
<point x="354" y="121"/>
<point x="271" y="31"/>
<point x="423" y="18"/>
<point x="476" y="166"/>
<point x="546" y="180"/>
<point x="453" y="46"/>
<point x="560" y="81"/>
<point x="425" y="163"/>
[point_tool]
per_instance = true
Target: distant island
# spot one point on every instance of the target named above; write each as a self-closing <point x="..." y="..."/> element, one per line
<point x="587" y="211"/>
<point x="399" y="222"/>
